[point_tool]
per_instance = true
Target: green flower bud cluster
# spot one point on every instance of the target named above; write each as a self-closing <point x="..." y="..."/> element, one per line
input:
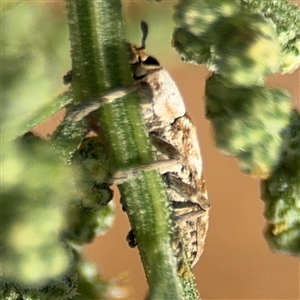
<point x="286" y="17"/>
<point x="247" y="123"/>
<point x="84" y="224"/>
<point x="281" y="194"/>
<point x="36" y="260"/>
<point x="198" y="16"/>
<point x="91" y="170"/>
<point x="90" y="213"/>
<point x="58" y="289"/>
<point x="82" y="282"/>
<point x="92" y="286"/>
<point x="196" y="20"/>
<point x="239" y="42"/>
<point x="235" y="43"/>
<point x="246" y="51"/>
<point x="35" y="192"/>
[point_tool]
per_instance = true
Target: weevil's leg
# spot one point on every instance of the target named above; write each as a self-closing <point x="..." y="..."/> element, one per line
<point x="162" y="166"/>
<point x="184" y="189"/>
<point x="186" y="205"/>
<point x="183" y="218"/>
<point x="164" y="147"/>
<point x="187" y="191"/>
<point x="185" y="211"/>
<point x="82" y="110"/>
<point x="179" y="220"/>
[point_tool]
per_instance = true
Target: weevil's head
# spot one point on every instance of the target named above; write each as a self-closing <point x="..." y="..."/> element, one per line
<point x="141" y="63"/>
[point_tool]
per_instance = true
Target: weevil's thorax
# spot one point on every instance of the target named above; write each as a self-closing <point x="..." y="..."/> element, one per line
<point x="160" y="90"/>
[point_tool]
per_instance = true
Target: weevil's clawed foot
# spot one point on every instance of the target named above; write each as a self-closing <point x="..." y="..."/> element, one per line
<point x="131" y="240"/>
<point x="162" y="166"/>
<point x="67" y="78"/>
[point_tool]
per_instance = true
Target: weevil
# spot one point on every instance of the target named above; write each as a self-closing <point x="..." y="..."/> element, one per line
<point x="175" y="146"/>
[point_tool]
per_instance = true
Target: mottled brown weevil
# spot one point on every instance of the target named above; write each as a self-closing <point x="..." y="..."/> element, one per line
<point x="175" y="146"/>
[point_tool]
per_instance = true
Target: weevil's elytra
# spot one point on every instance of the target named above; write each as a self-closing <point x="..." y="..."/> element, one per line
<point x="174" y="136"/>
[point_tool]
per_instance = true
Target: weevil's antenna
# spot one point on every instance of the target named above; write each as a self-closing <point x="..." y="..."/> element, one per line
<point x="144" y="28"/>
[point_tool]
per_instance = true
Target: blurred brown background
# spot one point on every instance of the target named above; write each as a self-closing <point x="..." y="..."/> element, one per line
<point x="237" y="263"/>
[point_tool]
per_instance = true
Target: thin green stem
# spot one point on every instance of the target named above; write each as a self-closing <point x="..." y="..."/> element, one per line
<point x="100" y="62"/>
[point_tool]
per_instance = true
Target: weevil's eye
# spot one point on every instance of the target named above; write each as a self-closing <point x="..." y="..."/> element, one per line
<point x="151" y="62"/>
<point x="144" y="66"/>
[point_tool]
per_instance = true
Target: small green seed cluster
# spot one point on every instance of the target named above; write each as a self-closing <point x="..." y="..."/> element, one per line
<point x="90" y="213"/>
<point x="66" y="207"/>
<point x="33" y="206"/>
<point x="93" y="286"/>
<point x="82" y="282"/>
<point x="242" y="40"/>
<point x="35" y="193"/>
<point x="232" y="42"/>
<point x="92" y="169"/>
<point x="241" y="46"/>
<point x="247" y="123"/>
<point x="58" y="289"/>
<point x="247" y="50"/>
<point x="287" y="19"/>
<point x="281" y="194"/>
<point x="195" y="20"/>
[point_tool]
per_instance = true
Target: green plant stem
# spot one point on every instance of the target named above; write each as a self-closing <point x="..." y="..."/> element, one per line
<point x="46" y="111"/>
<point x="99" y="62"/>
